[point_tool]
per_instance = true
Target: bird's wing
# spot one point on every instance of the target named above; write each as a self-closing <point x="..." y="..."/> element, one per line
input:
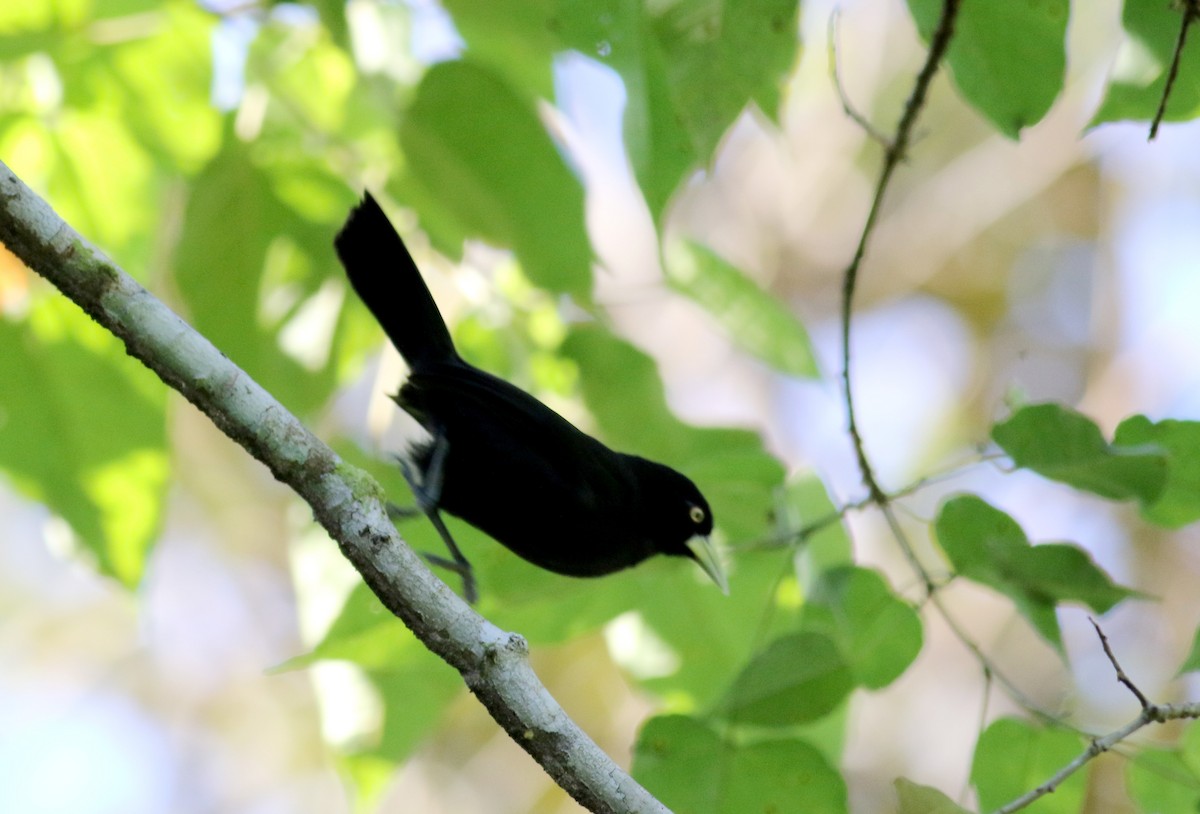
<point x="488" y="419"/>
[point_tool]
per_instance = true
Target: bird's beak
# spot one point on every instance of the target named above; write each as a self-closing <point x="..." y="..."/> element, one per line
<point x="704" y="553"/>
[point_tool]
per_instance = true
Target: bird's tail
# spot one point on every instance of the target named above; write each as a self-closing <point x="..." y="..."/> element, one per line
<point x="383" y="273"/>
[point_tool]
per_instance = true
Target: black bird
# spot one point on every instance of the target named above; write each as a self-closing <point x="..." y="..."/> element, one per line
<point x="500" y="459"/>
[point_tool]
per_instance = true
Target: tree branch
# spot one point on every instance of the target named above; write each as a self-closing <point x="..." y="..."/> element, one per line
<point x="345" y="501"/>
<point x="1150" y="714"/>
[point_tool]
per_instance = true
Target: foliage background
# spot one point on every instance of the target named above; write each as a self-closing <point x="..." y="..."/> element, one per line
<point x="213" y="152"/>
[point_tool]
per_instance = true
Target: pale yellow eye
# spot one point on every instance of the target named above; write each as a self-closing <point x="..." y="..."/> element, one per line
<point x="697" y="515"/>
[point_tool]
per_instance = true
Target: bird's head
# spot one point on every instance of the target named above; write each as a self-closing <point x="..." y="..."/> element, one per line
<point x="680" y="518"/>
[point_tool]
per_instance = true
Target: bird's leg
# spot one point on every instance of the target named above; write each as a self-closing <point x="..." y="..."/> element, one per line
<point x="428" y="492"/>
<point x="402" y="512"/>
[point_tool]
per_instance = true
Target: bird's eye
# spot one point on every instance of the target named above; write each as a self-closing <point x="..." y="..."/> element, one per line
<point x="697" y="514"/>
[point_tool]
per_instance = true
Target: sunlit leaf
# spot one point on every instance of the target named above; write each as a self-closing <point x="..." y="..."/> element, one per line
<point x="82" y="428"/>
<point x="753" y="318"/>
<point x="247" y="265"/>
<point x="478" y="150"/>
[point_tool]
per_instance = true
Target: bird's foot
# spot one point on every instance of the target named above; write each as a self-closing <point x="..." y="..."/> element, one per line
<point x="402" y="512"/>
<point x="463" y="569"/>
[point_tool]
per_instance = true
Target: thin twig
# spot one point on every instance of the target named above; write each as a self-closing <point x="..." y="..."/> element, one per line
<point x="1191" y="11"/>
<point x="843" y="97"/>
<point x="897" y="146"/>
<point x="1121" y="677"/>
<point x="1151" y="714"/>
<point x="823" y="522"/>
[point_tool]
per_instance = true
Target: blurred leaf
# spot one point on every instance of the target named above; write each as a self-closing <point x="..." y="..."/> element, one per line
<point x="82" y="429"/>
<point x="39" y="25"/>
<point x="797" y="679"/>
<point x="753" y="318"/>
<point x="1014" y="756"/>
<point x="1192" y="663"/>
<point x="159" y="80"/>
<point x="986" y="545"/>
<point x="513" y="38"/>
<point x="478" y="149"/>
<point x="1159" y="780"/>
<point x="96" y="174"/>
<point x="313" y="91"/>
<point x="414" y="685"/>
<point x="333" y="18"/>
<point x="1135" y="90"/>
<point x="415" y="691"/>
<point x="689" y="68"/>
<point x="706" y="630"/>
<point x="1189" y="750"/>
<point x="877" y="633"/>
<point x="1066" y="446"/>
<point x="247" y="268"/>
<point x="803" y="503"/>
<point x="918" y="799"/>
<point x="1179" y="502"/>
<point x="364" y="632"/>
<point x="693" y="770"/>
<point x="1008" y="58"/>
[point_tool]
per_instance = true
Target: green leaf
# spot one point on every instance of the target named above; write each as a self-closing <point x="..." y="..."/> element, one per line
<point x="1007" y="58"/>
<point x="161" y="85"/>
<point x="797" y="679"/>
<point x="752" y="318"/>
<point x="986" y="545"/>
<point x="877" y="633"/>
<point x="1160" y="780"/>
<point x="95" y="172"/>
<point x="693" y="770"/>
<point x="478" y="150"/>
<point x="1192" y="663"/>
<point x="918" y="799"/>
<point x="83" y="429"/>
<point x="249" y="268"/>
<point x="1179" y="502"/>
<point x="1136" y="86"/>
<point x="1066" y="446"/>
<point x="513" y="38"/>
<point x="706" y="630"/>
<point x="803" y="503"/>
<point x="689" y="68"/>
<point x="1014" y="756"/>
